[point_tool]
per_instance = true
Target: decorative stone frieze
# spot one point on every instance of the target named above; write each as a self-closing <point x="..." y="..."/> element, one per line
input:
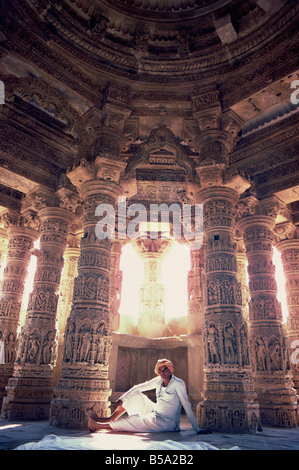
<point x="30" y="390"/>
<point x="22" y="231"/>
<point x="269" y="353"/>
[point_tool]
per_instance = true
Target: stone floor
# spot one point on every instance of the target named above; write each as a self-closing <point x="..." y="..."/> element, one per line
<point x="17" y="433"/>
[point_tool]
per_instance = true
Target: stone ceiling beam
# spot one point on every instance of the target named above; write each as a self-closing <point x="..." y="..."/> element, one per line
<point x="225" y="29"/>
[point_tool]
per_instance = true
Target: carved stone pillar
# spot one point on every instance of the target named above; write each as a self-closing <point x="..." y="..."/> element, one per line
<point x="289" y="249"/>
<point x="268" y="344"/>
<point x="69" y="274"/>
<point x="229" y="397"/>
<point x="242" y="275"/>
<point x="196" y="292"/>
<point x="116" y="284"/>
<point x="84" y="383"/>
<point x="3" y="247"/>
<point x="196" y="325"/>
<point x="30" y="390"/>
<point x="151" y="320"/>
<point x="22" y="233"/>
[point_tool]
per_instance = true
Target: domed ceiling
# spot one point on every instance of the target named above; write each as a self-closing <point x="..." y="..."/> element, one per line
<point x="154" y="40"/>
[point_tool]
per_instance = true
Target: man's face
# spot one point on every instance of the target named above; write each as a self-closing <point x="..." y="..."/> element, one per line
<point x="164" y="373"/>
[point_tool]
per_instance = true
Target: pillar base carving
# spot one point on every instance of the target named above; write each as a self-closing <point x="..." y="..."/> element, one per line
<point x="229" y="416"/>
<point x="27" y="399"/>
<point x="73" y="397"/>
<point x="278" y="403"/>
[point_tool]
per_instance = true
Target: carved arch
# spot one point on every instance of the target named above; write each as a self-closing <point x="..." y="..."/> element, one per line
<point x="160" y="138"/>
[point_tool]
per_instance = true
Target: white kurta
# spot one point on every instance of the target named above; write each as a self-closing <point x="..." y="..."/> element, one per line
<point x="164" y="415"/>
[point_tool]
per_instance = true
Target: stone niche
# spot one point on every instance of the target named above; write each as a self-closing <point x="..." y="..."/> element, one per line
<point x="136" y="365"/>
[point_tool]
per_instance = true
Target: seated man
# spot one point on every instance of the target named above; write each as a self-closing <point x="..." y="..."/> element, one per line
<point x="147" y="416"/>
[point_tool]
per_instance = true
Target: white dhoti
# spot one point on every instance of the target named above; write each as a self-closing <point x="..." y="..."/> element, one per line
<point x="142" y="416"/>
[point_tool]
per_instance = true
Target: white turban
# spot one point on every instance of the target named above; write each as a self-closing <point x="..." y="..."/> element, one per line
<point x="164" y="362"/>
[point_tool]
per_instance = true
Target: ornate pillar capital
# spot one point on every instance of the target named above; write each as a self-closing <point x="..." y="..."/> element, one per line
<point x="105" y="126"/>
<point x="213" y="146"/>
<point x="286" y="232"/>
<point x="38" y="198"/>
<point x="207" y="109"/>
<point x="25" y="224"/>
<point x="147" y="247"/>
<point x="253" y="212"/>
<point x="216" y="179"/>
<point x="217" y="131"/>
<point x="65" y="198"/>
<point x="109" y="170"/>
<point x="58" y="213"/>
<point x="106" y="170"/>
<point x="101" y="191"/>
<point x="271" y="207"/>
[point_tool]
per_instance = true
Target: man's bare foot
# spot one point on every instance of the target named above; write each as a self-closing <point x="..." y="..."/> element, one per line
<point x="119" y="411"/>
<point x="93" y="426"/>
<point x="204" y="431"/>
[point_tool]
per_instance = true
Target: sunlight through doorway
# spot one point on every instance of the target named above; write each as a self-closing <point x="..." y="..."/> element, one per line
<point x="176" y="266"/>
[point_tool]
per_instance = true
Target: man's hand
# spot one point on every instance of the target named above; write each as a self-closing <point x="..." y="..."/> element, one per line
<point x="118" y="404"/>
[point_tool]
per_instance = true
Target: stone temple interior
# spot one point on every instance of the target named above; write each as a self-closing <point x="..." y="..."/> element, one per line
<point x="112" y="109"/>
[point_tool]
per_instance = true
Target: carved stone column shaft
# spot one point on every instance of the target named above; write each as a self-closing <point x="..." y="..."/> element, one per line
<point x="152" y="308"/>
<point x="196" y="292"/>
<point x="289" y="250"/>
<point x="30" y="390"/>
<point x="229" y="397"/>
<point x="116" y="284"/>
<point x="84" y="383"/>
<point x="69" y="274"/>
<point x="196" y="325"/>
<point x="20" y="244"/>
<point x="268" y="345"/>
<point x="3" y="246"/>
